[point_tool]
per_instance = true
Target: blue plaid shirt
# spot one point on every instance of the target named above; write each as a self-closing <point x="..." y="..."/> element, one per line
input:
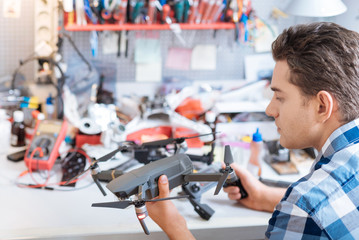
<point x="324" y="204"/>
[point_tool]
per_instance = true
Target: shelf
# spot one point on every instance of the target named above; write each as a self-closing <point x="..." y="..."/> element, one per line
<point x="119" y="27"/>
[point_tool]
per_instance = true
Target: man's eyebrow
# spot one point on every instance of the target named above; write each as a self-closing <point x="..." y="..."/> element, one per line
<point x="274" y="89"/>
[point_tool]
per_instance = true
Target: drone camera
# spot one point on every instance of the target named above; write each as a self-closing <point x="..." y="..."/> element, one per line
<point x="121" y="195"/>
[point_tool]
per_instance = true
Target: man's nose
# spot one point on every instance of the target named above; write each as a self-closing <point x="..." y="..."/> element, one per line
<point x="270" y="110"/>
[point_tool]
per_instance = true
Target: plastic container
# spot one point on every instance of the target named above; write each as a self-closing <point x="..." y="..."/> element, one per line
<point x="5" y="128"/>
<point x="18" y="130"/>
<point x="256" y="146"/>
<point x="49" y="107"/>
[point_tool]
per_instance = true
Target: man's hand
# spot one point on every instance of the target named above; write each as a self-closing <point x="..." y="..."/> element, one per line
<point x="166" y="215"/>
<point x="260" y="197"/>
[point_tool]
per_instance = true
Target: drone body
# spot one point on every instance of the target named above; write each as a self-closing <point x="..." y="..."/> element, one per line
<point x="175" y="167"/>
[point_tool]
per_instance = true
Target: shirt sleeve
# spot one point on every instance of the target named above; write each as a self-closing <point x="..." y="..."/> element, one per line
<point x="291" y="222"/>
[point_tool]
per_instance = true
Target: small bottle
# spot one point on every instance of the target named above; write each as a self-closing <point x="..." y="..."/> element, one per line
<point x="18" y="130"/>
<point x="5" y="127"/>
<point x="49" y="107"/>
<point x="256" y="145"/>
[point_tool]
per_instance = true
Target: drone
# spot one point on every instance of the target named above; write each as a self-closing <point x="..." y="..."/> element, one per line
<point x="143" y="182"/>
<point x="145" y="153"/>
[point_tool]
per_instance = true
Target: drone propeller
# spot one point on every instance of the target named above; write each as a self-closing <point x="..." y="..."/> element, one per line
<point x="228" y="160"/>
<point x="140" y="207"/>
<point x="125" y="203"/>
<point x="164" y="142"/>
<point x="95" y="168"/>
<point x="229" y="177"/>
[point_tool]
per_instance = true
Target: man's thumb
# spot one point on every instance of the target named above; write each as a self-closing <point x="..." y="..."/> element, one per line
<point x="163" y="187"/>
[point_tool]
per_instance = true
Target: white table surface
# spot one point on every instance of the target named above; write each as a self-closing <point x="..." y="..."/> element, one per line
<point x="43" y="214"/>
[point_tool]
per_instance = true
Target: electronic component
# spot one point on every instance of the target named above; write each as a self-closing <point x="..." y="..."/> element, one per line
<point x="44" y="147"/>
<point x="17" y="156"/>
<point x="73" y="164"/>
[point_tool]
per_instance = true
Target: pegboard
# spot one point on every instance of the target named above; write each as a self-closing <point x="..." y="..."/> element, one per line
<point x="17" y="40"/>
<point x="229" y="56"/>
<point x="229" y="53"/>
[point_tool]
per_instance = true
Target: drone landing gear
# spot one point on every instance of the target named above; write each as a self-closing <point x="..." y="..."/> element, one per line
<point x="203" y="210"/>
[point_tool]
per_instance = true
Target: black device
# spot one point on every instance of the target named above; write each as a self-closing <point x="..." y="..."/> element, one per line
<point x="73" y="164"/>
<point x="155" y="150"/>
<point x="143" y="182"/>
<point x="278" y="158"/>
<point x="16" y="156"/>
<point x="95" y="168"/>
<point x="195" y="190"/>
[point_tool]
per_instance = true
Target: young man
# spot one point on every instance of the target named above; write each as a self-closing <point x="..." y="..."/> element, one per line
<point x="315" y="104"/>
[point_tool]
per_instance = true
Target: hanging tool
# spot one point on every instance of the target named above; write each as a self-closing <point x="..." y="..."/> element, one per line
<point x="179" y="9"/>
<point x="201" y="10"/>
<point x="237" y="8"/>
<point x="186" y="10"/>
<point x="89" y="12"/>
<point x="165" y="13"/>
<point x="150" y="18"/>
<point x="120" y="16"/>
<point x="207" y="11"/>
<point x="193" y="11"/>
<point x="120" y="13"/>
<point x="217" y="10"/>
<point x="136" y="11"/>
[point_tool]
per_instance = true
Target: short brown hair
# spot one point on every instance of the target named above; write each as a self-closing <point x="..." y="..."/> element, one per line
<point x="323" y="56"/>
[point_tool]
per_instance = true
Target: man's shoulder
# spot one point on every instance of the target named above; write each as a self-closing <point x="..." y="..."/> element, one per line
<point x="329" y="194"/>
<point x="331" y="180"/>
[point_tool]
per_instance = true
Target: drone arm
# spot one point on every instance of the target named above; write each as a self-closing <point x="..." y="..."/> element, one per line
<point x="202" y="177"/>
<point x="144" y="227"/>
<point x="204" y="158"/>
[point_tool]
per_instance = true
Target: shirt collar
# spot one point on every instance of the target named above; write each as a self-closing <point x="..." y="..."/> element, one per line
<point x="341" y="138"/>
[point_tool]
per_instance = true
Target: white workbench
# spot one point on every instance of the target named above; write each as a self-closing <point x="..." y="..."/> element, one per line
<point x="43" y="214"/>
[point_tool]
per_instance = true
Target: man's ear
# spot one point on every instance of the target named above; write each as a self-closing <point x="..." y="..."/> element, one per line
<point x="326" y="105"/>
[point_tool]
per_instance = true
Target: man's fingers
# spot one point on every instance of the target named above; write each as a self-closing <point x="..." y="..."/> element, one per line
<point x="233" y="193"/>
<point x="231" y="189"/>
<point x="240" y="171"/>
<point x="234" y="196"/>
<point x="163" y="187"/>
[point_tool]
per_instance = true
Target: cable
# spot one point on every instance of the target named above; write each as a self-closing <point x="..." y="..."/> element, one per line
<point x="77" y="50"/>
<point x="46" y="185"/>
<point x="58" y="86"/>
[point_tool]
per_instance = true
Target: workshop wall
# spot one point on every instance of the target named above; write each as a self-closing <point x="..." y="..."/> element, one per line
<point x="17" y="43"/>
